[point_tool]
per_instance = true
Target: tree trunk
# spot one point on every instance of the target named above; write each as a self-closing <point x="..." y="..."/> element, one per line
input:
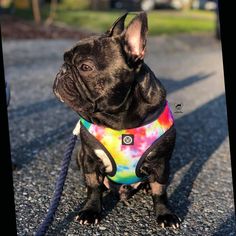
<point x="94" y="4"/>
<point x="36" y="11"/>
<point x="52" y="14"/>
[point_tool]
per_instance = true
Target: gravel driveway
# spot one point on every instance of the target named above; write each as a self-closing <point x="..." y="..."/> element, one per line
<point x="200" y="185"/>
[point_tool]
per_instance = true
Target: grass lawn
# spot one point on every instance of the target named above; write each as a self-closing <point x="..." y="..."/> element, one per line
<point x="160" y="21"/>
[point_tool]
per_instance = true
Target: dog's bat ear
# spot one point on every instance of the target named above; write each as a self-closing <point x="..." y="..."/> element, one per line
<point x="118" y="26"/>
<point x="135" y="37"/>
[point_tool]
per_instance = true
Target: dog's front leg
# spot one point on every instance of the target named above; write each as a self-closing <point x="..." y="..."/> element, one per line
<point x="164" y="216"/>
<point x="156" y="166"/>
<point x="158" y="180"/>
<point x="92" y="209"/>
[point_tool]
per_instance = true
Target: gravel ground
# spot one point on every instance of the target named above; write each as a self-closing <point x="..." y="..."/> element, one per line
<point x="200" y="187"/>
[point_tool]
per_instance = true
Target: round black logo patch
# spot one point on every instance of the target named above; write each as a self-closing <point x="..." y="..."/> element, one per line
<point x="127" y="139"/>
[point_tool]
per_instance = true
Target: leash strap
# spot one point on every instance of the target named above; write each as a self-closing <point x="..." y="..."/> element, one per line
<point x="59" y="184"/>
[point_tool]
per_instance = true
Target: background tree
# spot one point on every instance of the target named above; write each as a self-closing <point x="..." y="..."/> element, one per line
<point x="36" y="11"/>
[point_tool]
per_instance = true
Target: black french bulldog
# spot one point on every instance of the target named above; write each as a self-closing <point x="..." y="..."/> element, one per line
<point x="105" y="80"/>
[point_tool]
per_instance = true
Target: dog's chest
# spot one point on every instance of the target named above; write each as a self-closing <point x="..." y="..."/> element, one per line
<point x="122" y="151"/>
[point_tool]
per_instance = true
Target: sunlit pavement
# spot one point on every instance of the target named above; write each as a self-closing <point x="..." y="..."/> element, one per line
<point x="200" y="190"/>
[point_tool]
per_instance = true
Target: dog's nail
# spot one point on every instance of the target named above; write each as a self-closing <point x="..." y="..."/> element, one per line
<point x="81" y="222"/>
<point x="179" y="219"/>
<point x="173" y="226"/>
<point x="177" y="225"/>
<point x="77" y="217"/>
<point x="96" y="221"/>
<point x="85" y="222"/>
<point x="163" y="225"/>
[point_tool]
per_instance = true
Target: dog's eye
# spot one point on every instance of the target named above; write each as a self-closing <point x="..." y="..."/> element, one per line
<point x="85" y="67"/>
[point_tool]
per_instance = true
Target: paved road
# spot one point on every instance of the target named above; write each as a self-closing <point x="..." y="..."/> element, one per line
<point x="201" y="188"/>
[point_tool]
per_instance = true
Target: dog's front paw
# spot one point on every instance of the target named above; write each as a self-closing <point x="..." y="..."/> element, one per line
<point x="168" y="220"/>
<point x="88" y="216"/>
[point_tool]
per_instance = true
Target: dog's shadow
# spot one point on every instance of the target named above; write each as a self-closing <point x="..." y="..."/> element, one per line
<point x="199" y="134"/>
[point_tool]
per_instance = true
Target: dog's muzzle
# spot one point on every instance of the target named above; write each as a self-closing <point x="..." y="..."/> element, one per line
<point x="59" y="75"/>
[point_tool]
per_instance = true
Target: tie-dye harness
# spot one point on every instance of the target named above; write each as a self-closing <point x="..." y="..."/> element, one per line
<point x="127" y="148"/>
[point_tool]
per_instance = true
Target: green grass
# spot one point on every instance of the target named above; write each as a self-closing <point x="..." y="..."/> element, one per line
<point x="160" y="21"/>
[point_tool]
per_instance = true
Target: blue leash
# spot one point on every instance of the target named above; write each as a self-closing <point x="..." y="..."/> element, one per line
<point x="59" y="187"/>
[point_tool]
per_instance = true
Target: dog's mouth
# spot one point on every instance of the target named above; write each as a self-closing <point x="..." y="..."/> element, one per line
<point x="59" y="77"/>
<point x="56" y="91"/>
<point x="63" y="86"/>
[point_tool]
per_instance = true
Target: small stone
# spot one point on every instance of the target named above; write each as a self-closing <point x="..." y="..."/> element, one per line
<point x="102" y="228"/>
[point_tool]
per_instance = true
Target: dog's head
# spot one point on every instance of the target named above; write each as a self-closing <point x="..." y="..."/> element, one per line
<point x="99" y="71"/>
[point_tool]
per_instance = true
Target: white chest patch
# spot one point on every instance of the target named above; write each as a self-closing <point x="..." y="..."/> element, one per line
<point x="105" y="159"/>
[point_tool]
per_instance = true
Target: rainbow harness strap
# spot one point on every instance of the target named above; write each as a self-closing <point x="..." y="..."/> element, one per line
<point x="127" y="148"/>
